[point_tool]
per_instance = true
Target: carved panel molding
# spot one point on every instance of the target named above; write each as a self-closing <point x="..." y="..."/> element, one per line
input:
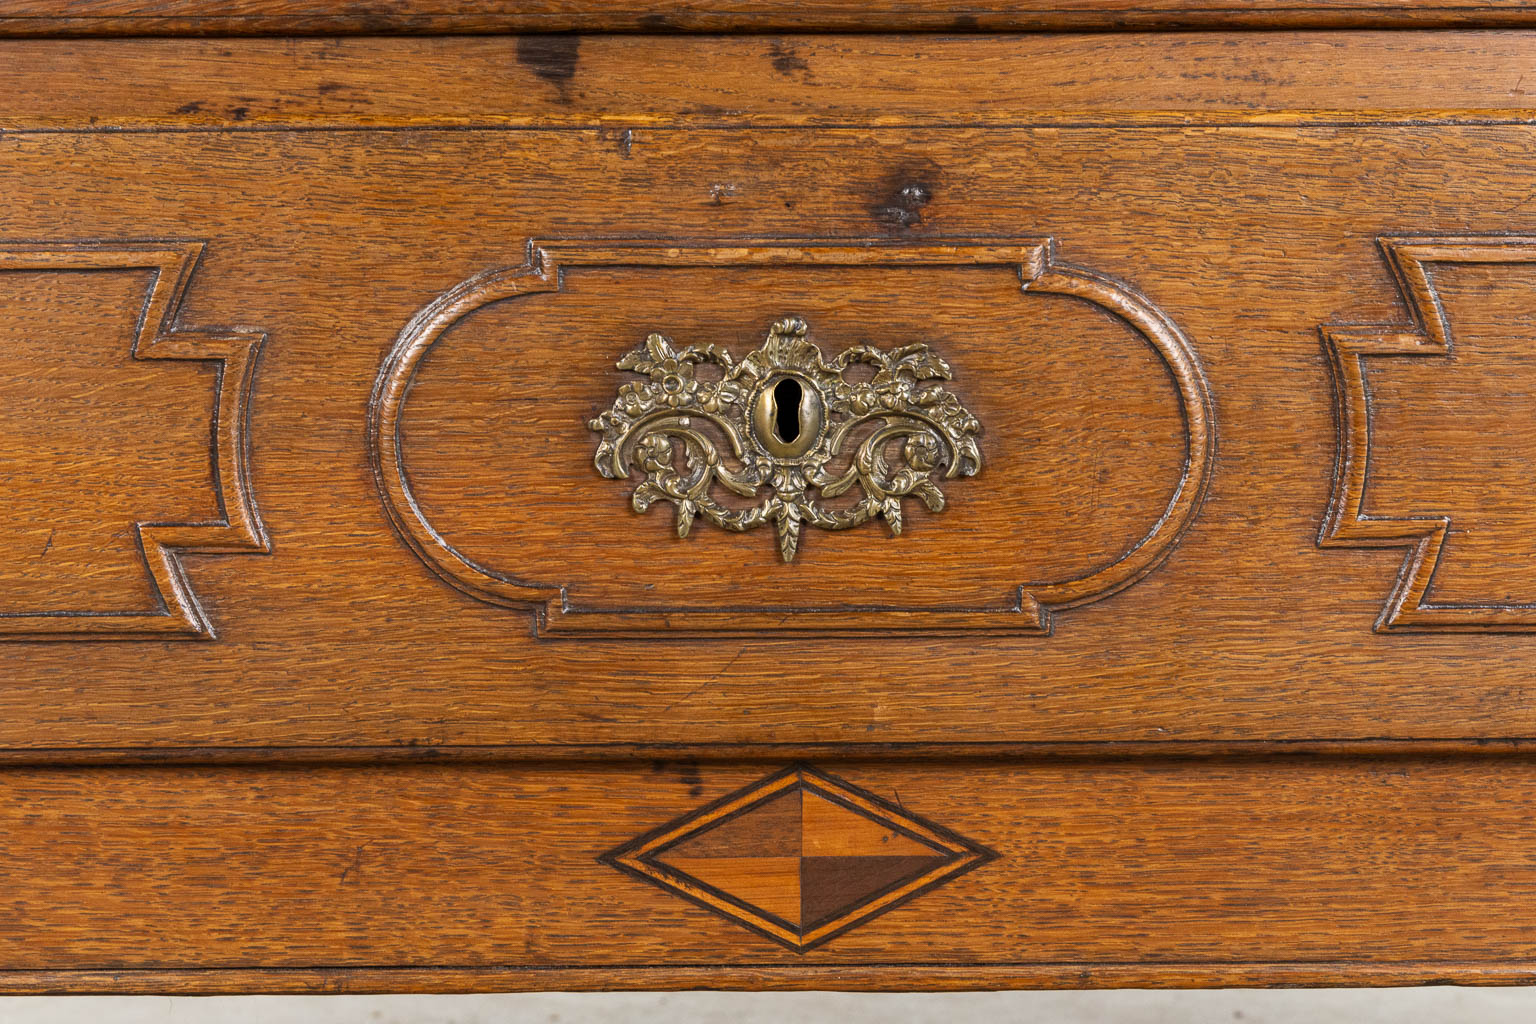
<point x="1031" y="605"/>
<point x="1409" y="605"/>
<point x="159" y="335"/>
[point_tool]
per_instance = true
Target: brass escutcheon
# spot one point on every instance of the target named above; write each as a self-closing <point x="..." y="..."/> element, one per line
<point x="787" y="421"/>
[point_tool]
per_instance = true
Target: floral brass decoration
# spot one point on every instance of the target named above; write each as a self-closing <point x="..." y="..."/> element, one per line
<point x="787" y="421"/>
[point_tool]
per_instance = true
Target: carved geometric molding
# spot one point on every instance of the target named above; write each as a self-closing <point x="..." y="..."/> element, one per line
<point x="799" y="857"/>
<point x="157" y="334"/>
<point x="1347" y="524"/>
<point x="1024" y="608"/>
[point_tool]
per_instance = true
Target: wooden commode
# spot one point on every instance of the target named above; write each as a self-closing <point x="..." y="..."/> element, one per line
<point x="562" y="494"/>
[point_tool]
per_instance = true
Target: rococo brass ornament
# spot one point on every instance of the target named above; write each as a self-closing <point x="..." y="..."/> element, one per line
<point x="793" y="423"/>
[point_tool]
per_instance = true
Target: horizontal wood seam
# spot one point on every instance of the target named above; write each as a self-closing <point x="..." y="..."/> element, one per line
<point x="1192" y="17"/>
<point x="850" y="977"/>
<point x="550" y="753"/>
<point x="1109" y="122"/>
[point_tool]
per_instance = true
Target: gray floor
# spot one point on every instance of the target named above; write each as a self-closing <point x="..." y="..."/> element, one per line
<point x="1330" y="1006"/>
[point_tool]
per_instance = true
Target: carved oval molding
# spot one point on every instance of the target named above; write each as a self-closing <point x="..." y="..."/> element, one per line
<point x="1031" y="608"/>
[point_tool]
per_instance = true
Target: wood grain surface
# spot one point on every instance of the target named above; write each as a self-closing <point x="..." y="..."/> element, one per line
<point x="331" y="661"/>
<point x="621" y="83"/>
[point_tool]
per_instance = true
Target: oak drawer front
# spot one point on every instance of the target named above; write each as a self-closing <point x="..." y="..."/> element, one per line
<point x="443" y="877"/>
<point x="828" y="418"/>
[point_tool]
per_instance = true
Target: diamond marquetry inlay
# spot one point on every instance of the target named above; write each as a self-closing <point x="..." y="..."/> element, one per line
<point x="799" y="857"/>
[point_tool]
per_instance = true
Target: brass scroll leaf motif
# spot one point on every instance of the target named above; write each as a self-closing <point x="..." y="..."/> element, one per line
<point x="790" y="423"/>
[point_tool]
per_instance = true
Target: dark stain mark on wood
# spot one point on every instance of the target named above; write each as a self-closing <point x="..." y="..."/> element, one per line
<point x="189" y="108"/>
<point x="552" y="58"/>
<point x="623" y="140"/>
<point x="903" y="198"/>
<point x="787" y="61"/>
<point x="690" y="777"/>
<point x="355" y="864"/>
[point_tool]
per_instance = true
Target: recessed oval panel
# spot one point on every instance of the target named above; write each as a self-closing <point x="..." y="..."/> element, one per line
<point x="1093" y="440"/>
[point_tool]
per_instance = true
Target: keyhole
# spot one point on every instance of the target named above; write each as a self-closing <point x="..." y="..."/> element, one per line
<point x="786" y="401"/>
<point x="787" y="417"/>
